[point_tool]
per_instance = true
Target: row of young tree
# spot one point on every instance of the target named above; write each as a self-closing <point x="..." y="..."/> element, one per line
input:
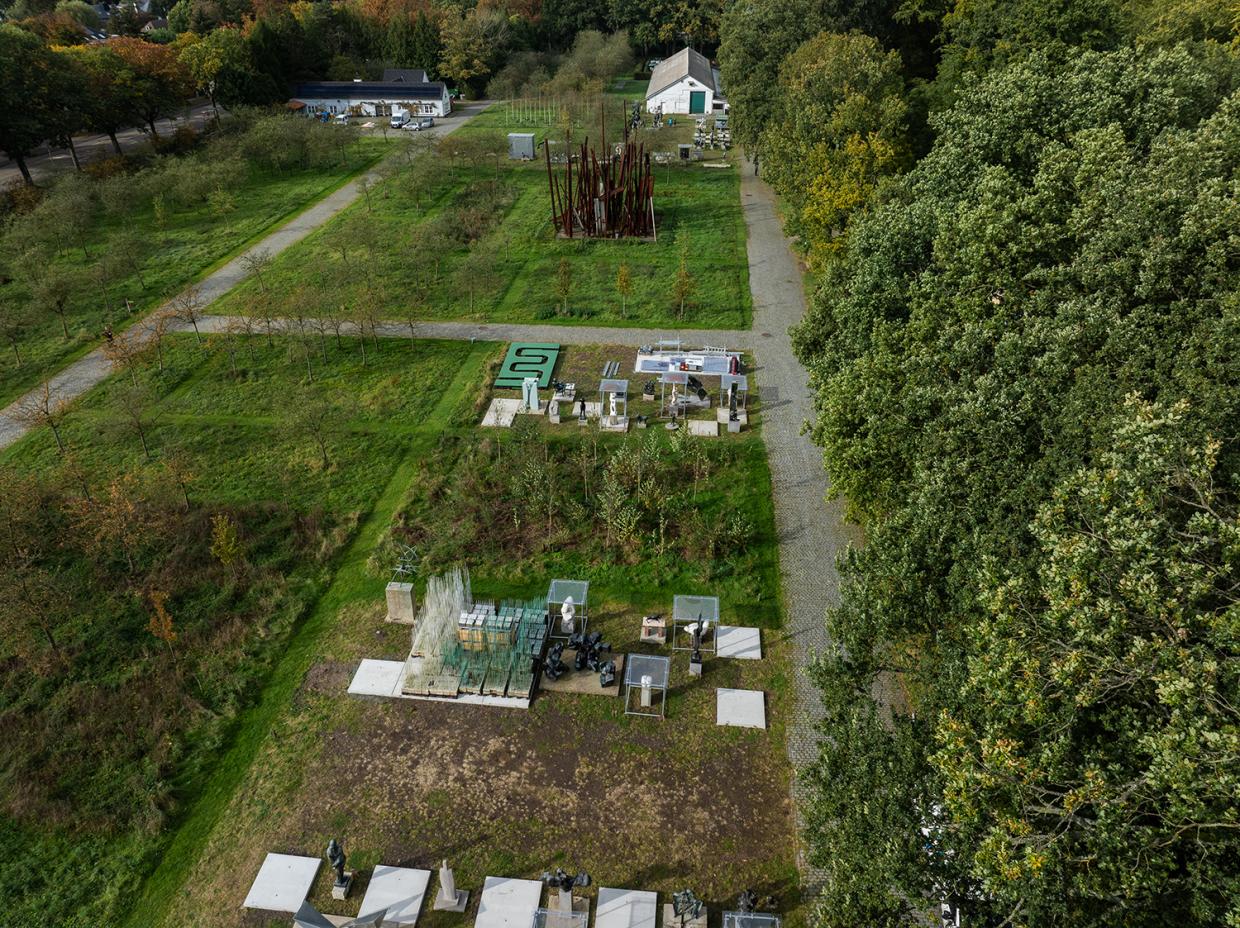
<point x="61" y="273"/>
<point x="1022" y="215"/>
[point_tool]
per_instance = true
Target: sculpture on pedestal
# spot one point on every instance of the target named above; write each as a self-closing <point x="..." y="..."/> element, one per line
<point x="529" y="394"/>
<point x="568" y="614"/>
<point x="746" y="901"/>
<point x="335" y="857"/>
<point x="732" y="402"/>
<point x="450" y="899"/>
<point x="565" y="883"/>
<point x="581" y="409"/>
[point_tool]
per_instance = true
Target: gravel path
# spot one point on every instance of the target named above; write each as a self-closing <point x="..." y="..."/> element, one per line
<point x="89" y="370"/>
<point x="812" y="531"/>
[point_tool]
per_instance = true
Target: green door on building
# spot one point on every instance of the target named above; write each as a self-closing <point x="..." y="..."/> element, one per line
<point x="697" y="101"/>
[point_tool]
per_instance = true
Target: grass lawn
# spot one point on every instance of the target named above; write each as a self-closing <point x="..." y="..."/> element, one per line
<point x="193" y="241"/>
<point x="447" y="239"/>
<point x="572" y="782"/>
<point x="121" y="720"/>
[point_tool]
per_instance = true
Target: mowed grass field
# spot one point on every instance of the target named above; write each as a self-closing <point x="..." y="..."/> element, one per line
<point x="470" y="238"/>
<point x="192" y="241"/>
<point x="116" y="741"/>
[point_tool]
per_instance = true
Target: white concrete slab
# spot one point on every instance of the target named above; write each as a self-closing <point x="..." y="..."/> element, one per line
<point x="740" y="708"/>
<point x="377" y="678"/>
<point x="283" y="882"/>
<point x="739" y="642"/>
<point x="704" y="429"/>
<point x="625" y="908"/>
<point x="400" y="890"/>
<point x="508" y="903"/>
<point x="501" y="412"/>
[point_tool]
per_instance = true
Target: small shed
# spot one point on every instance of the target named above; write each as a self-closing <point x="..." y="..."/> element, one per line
<point x="520" y="146"/>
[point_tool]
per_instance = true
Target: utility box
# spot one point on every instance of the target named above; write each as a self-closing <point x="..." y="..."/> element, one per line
<point x="520" y="146"/>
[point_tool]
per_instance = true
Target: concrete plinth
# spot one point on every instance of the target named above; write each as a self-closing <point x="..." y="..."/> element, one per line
<point x="341" y="890"/>
<point x="400" y="605"/>
<point x="458" y="905"/>
<point x="670" y="920"/>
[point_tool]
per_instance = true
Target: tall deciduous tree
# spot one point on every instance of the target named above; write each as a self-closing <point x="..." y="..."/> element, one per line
<point x="1043" y="601"/>
<point x="156" y="83"/>
<point x="32" y="89"/>
<point x="107" y="90"/>
<point x="841" y="129"/>
<point x="220" y="65"/>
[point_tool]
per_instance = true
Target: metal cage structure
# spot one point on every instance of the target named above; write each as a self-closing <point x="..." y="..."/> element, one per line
<point x="690" y="610"/>
<point x="648" y="676"/>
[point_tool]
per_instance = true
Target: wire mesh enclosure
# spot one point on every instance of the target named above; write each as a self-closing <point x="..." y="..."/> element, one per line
<point x="646" y="678"/>
<point x="688" y="611"/>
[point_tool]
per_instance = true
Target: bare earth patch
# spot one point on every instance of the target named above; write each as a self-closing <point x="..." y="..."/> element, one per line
<point x="636" y="802"/>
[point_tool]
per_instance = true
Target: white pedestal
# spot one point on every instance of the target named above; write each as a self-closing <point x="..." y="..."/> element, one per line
<point x="457" y="905"/>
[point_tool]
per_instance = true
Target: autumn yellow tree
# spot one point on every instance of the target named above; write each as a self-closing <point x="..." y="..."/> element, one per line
<point x="226" y="546"/>
<point x="840" y="130"/>
<point x="160" y="622"/>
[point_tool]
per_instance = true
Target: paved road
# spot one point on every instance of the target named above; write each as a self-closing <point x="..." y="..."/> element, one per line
<point x="91" y="369"/>
<point x="47" y="160"/>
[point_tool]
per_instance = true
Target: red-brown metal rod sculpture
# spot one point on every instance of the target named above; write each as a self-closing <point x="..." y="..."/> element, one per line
<point x="608" y="198"/>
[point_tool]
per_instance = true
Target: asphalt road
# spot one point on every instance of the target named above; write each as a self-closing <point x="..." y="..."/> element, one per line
<point x="47" y="161"/>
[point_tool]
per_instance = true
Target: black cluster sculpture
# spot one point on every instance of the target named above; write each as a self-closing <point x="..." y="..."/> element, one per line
<point x="591" y="651"/>
<point x="553" y="663"/>
<point x="565" y="881"/>
<point x="747" y="901"/>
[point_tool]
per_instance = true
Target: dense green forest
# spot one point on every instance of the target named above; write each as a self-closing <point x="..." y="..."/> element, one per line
<point x="1022" y="218"/>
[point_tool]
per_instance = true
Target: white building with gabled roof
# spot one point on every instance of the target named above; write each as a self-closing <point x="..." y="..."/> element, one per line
<point x="685" y="84"/>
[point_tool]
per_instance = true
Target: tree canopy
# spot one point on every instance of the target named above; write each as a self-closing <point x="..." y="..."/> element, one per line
<point x="1024" y="390"/>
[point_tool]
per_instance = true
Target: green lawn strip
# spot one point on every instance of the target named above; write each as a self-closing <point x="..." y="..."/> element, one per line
<point x="403" y="238"/>
<point x="351" y="583"/>
<point x="46" y="350"/>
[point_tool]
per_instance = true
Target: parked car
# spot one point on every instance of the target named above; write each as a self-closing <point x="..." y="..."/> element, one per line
<point x="418" y="124"/>
<point x="341" y="119"/>
<point x="398" y="122"/>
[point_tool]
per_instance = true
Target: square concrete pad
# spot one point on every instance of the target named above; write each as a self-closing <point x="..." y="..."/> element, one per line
<point x="703" y="429"/>
<point x="625" y="908"/>
<point x="739" y="642"/>
<point x="283" y="882"/>
<point x="508" y="903"/>
<point x="741" y="708"/>
<point x="500" y="413"/>
<point x="400" y="890"/>
<point x="377" y="678"/>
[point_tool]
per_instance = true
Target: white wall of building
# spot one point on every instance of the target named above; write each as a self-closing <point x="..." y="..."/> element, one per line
<point x="370" y="106"/>
<point x="675" y="99"/>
